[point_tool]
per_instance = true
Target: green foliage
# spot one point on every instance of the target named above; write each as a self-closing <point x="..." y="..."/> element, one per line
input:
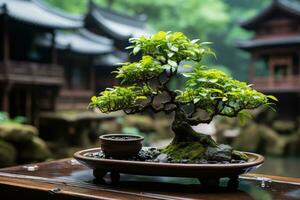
<point x="170" y="48"/>
<point x="210" y="90"/>
<point x="243" y="116"/>
<point x="146" y="69"/>
<point x="193" y="17"/>
<point x="118" y="98"/>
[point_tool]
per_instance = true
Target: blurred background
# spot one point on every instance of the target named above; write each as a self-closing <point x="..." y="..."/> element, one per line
<point x="56" y="54"/>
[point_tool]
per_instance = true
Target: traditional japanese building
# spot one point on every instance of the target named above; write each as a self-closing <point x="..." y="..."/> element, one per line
<point x="118" y="27"/>
<point x="77" y="53"/>
<point x="275" y="54"/>
<point x="29" y="79"/>
<point x="53" y="61"/>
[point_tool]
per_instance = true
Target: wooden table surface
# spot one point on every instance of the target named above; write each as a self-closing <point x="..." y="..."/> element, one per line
<point x="67" y="179"/>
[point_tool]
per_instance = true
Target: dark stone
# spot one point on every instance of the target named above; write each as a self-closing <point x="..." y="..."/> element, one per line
<point x="185" y="161"/>
<point x="212" y="162"/>
<point x="162" y="157"/>
<point x="202" y="162"/>
<point x="220" y="153"/>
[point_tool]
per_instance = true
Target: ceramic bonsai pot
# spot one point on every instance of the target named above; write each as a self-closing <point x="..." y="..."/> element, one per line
<point x="120" y="145"/>
<point x="208" y="174"/>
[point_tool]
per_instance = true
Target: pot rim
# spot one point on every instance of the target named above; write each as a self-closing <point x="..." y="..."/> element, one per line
<point x="256" y="160"/>
<point x="131" y="137"/>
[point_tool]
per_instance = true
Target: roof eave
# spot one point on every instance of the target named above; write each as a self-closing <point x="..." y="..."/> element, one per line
<point x="109" y="31"/>
<point x="251" y="23"/>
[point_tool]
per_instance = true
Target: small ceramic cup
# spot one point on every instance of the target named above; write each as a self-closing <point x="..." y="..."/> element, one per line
<point x="120" y="145"/>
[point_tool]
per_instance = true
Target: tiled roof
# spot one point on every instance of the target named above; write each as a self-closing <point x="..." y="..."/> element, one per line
<point x="117" y="25"/>
<point x="276" y="41"/>
<point x="82" y="41"/>
<point x="286" y="6"/>
<point x="39" y="14"/>
<point x="110" y="60"/>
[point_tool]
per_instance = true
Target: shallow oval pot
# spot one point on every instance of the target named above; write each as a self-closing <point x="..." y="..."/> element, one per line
<point x="204" y="172"/>
<point x="120" y="145"/>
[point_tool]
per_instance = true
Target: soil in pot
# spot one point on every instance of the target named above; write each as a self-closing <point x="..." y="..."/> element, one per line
<point x="152" y="154"/>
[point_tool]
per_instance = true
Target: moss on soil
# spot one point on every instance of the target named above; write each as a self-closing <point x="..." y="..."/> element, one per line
<point x="185" y="150"/>
<point x="237" y="155"/>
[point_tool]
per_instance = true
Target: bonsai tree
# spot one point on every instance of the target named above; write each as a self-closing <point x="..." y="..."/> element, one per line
<point x="206" y="94"/>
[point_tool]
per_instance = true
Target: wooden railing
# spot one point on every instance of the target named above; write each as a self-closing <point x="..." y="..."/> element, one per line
<point x="288" y="83"/>
<point x="32" y="73"/>
<point x="73" y="99"/>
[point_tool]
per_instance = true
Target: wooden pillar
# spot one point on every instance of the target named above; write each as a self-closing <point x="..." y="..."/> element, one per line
<point x="92" y="75"/>
<point x="290" y="70"/>
<point x="6" y="56"/>
<point x="70" y="67"/>
<point x="297" y="79"/>
<point x="28" y="108"/>
<point x="35" y="108"/>
<point x="5" y="36"/>
<point x="5" y="102"/>
<point x="271" y="72"/>
<point x="53" y="49"/>
<point x="252" y="67"/>
<point x="6" y="49"/>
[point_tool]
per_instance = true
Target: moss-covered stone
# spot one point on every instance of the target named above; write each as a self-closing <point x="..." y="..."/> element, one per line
<point x="249" y="139"/>
<point x="35" y="150"/>
<point x="194" y="146"/>
<point x="284" y="126"/>
<point x="185" y="150"/>
<point x="7" y="154"/>
<point x="17" y="133"/>
<point x="221" y="152"/>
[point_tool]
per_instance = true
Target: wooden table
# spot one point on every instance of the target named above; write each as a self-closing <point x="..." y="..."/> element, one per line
<point x="67" y="179"/>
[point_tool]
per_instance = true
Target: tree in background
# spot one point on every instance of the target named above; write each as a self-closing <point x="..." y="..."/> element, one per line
<point x="213" y="20"/>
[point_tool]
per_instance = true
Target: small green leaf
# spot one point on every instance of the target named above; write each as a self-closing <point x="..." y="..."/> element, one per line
<point x="187" y="66"/>
<point x="187" y="75"/>
<point x="172" y="63"/>
<point x="170" y="54"/>
<point x="195" y="41"/>
<point x="213" y="80"/>
<point x="129" y="47"/>
<point x="141" y="98"/>
<point x="243" y="115"/>
<point x="167" y="67"/>
<point x="94" y="99"/>
<point x="272" y="97"/>
<point x="136" y="50"/>
<point x="173" y="48"/>
<point x="201" y="79"/>
<point x="196" y="100"/>
<point x="206" y="43"/>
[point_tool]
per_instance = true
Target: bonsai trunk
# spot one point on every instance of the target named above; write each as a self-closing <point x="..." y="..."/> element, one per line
<point x="193" y="146"/>
<point x="187" y="143"/>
